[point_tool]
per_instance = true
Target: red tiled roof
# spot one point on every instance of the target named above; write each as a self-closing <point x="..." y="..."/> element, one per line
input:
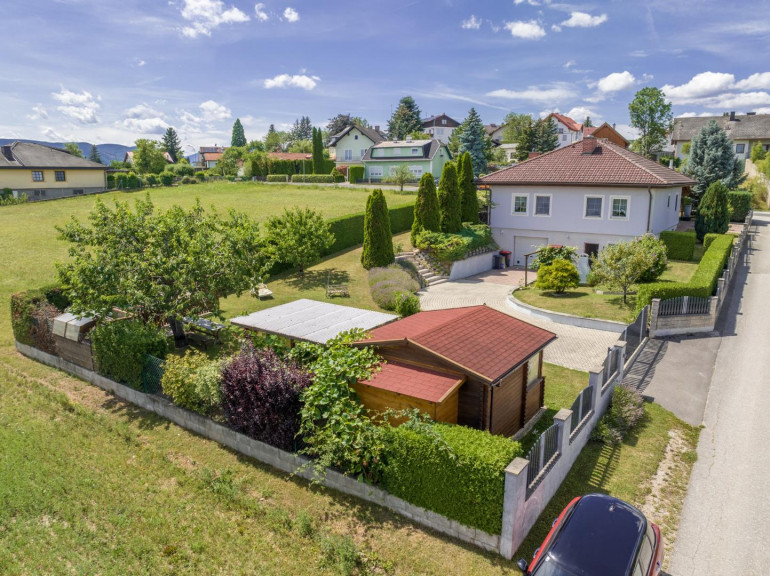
<point x="608" y="165"/>
<point x="588" y="130"/>
<point x="414" y="381"/>
<point x="290" y="156"/>
<point x="567" y="121"/>
<point x="211" y="156"/>
<point x="478" y="338"/>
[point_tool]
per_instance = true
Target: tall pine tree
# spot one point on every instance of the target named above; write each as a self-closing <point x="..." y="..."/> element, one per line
<point x="94" y="155"/>
<point x="712" y="159"/>
<point x="239" y="138"/>
<point x="171" y="144"/>
<point x="469" y="202"/>
<point x="472" y="140"/>
<point x="318" y="152"/>
<point x="425" y="208"/>
<point x="449" y="205"/>
<point x="378" y="238"/>
<point x="546" y="135"/>
<point x="405" y="120"/>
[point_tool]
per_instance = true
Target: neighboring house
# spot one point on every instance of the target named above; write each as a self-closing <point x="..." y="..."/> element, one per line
<point x="422" y="156"/>
<point x="745" y="130"/>
<point x="440" y="127"/>
<point x="208" y="156"/>
<point x="296" y="156"/>
<point x="495" y="133"/>
<point x="588" y="195"/>
<point x="350" y="144"/>
<point x="473" y="366"/>
<point x="606" y="132"/>
<point x="569" y="131"/>
<point x="129" y="158"/>
<point x="43" y="172"/>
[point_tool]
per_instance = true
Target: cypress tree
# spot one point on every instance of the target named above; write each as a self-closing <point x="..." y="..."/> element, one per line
<point x="449" y="200"/>
<point x="238" y="138"/>
<point x="318" y="152"/>
<point x="425" y="207"/>
<point x="469" y="202"/>
<point x="378" y="239"/>
<point x="713" y="211"/>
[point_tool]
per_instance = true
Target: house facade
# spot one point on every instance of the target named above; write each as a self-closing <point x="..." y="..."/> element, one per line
<point x="208" y="156"/>
<point x="495" y="133"/>
<point x="350" y="144"/>
<point x="588" y="195"/>
<point x="440" y="127"/>
<point x="745" y="130"/>
<point x="569" y="131"/>
<point x="421" y="156"/>
<point x="606" y="132"/>
<point x="45" y="173"/>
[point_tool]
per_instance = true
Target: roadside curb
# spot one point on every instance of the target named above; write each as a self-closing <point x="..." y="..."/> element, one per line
<point x="560" y="318"/>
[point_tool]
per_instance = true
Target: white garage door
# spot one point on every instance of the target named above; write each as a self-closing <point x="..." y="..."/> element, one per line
<point x="523" y="245"/>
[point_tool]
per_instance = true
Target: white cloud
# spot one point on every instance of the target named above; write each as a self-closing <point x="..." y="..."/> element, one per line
<point x="579" y="113"/>
<point x="628" y="132"/>
<point x="530" y="2"/>
<point x="748" y="100"/>
<point x="52" y="134"/>
<point x="569" y="64"/>
<point x="142" y="111"/>
<point x="584" y="20"/>
<point x="758" y="81"/>
<point x="556" y="28"/>
<point x="471" y="23"/>
<point x="259" y="10"/>
<point x="616" y="81"/>
<point x="290" y="14"/>
<point x="206" y="15"/>
<point x="213" y="112"/>
<point x="700" y="86"/>
<point x="38" y="113"/>
<point x="529" y="30"/>
<point x="535" y="93"/>
<point x="145" y="125"/>
<point x="296" y="81"/>
<point x="764" y="110"/>
<point x="78" y="106"/>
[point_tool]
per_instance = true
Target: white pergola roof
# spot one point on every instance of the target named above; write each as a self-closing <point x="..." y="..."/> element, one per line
<point x="311" y="320"/>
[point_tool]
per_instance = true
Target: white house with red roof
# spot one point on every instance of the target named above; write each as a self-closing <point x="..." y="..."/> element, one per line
<point x="569" y="131"/>
<point x="589" y="194"/>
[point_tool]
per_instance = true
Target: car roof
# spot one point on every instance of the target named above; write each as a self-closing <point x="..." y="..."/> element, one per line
<point x="601" y="535"/>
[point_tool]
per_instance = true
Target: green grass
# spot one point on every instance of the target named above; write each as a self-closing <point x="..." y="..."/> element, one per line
<point x="584" y="301"/>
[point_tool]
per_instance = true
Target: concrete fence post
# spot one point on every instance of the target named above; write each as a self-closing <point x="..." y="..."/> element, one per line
<point x="721" y="287"/>
<point x="654" y="311"/>
<point x="620" y="347"/>
<point x="563" y="419"/>
<point x="514" y="501"/>
<point x="595" y="378"/>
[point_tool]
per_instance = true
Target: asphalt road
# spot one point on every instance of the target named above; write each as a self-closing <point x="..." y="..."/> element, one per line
<point x="725" y="527"/>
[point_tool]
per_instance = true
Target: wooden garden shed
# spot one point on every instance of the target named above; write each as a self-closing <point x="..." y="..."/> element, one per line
<point x="473" y="366"/>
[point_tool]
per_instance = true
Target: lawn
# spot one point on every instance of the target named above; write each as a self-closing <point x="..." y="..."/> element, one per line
<point x="585" y="301"/>
<point x="31" y="246"/>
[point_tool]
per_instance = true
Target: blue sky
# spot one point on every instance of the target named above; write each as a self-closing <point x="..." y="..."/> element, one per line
<point x="106" y="71"/>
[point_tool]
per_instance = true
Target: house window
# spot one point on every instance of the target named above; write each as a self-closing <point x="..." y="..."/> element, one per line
<point x="396" y="151"/>
<point x="533" y="369"/>
<point x="355" y="137"/>
<point x="416" y="171"/>
<point x="443" y="120"/>
<point x="39" y="193"/>
<point x="415" y="151"/>
<point x="542" y="205"/>
<point x="520" y="204"/>
<point x="593" y="208"/>
<point x="77" y="192"/>
<point x="59" y="175"/>
<point x="363" y="152"/>
<point x="348" y="155"/>
<point x="375" y="172"/>
<point x="561" y="130"/>
<point x="564" y="137"/>
<point x="740" y="148"/>
<point x="37" y="175"/>
<point x="676" y="202"/>
<point x="668" y="201"/>
<point x="619" y="208"/>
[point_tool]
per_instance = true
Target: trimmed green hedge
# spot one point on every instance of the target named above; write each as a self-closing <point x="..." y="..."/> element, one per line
<point x="451" y="247"/>
<point x="120" y="347"/>
<point x="313" y="178"/>
<point x="355" y="173"/>
<point x="709" y="238"/>
<point x="740" y="204"/>
<point x="457" y="472"/>
<point x="679" y="245"/>
<point x="704" y="280"/>
<point x="277" y="178"/>
<point x="349" y="230"/>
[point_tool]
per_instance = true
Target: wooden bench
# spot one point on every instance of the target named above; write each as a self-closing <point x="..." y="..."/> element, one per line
<point x="335" y="289"/>
<point x="199" y="339"/>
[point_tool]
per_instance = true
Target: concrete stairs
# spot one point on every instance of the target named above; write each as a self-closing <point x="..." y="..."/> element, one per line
<point x="430" y="273"/>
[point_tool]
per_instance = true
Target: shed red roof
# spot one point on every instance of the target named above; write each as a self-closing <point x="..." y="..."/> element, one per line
<point x="415" y="381"/>
<point x="608" y="165"/>
<point x="478" y="338"/>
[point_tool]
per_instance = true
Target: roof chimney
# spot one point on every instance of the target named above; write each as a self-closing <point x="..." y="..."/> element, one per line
<point x="376" y="128"/>
<point x="732" y="116"/>
<point x="589" y="144"/>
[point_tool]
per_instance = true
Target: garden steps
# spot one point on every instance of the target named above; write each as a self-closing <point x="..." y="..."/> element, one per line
<point x="429" y="274"/>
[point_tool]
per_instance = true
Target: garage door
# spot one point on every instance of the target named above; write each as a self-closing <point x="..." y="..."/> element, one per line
<point x="523" y="245"/>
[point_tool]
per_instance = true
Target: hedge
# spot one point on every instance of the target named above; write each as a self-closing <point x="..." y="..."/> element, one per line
<point x="709" y="238"/>
<point x="740" y="204"/>
<point x="277" y="178"/>
<point x="313" y="178"/>
<point x="454" y="471"/>
<point x="349" y="230"/>
<point x="120" y="347"/>
<point x="679" y="245"/>
<point x="33" y="311"/>
<point x="355" y="173"/>
<point x="704" y="280"/>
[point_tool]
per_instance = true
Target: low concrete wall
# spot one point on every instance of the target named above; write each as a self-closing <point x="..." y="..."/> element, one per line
<point x="280" y="459"/>
<point x="472" y="266"/>
<point x="560" y="318"/>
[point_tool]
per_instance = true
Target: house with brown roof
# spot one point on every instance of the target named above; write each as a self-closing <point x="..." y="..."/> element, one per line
<point x="440" y="127"/>
<point x="745" y="130"/>
<point x="589" y="194"/>
<point x="208" y="156"/>
<point x="569" y="131"/>
<point x="350" y="144"/>
<point x="473" y="366"/>
<point x="607" y="132"/>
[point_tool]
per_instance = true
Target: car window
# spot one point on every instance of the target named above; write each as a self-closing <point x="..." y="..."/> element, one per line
<point x="549" y="567"/>
<point x="638" y="570"/>
<point x="645" y="552"/>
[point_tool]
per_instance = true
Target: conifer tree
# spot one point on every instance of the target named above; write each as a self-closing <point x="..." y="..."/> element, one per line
<point x="713" y="211"/>
<point x="472" y="140"/>
<point x="238" y="138"/>
<point x="469" y="202"/>
<point x="449" y="200"/>
<point x="378" y="238"/>
<point x="171" y="144"/>
<point x="318" y="152"/>
<point x="546" y="135"/>
<point x="425" y="208"/>
<point x="405" y="119"/>
<point x="712" y="159"/>
<point x="94" y="155"/>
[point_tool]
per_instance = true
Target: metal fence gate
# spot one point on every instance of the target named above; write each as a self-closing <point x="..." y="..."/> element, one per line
<point x="637" y="331"/>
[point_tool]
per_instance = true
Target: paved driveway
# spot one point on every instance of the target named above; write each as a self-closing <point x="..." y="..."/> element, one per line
<point x="578" y="348"/>
<point x="725" y="527"/>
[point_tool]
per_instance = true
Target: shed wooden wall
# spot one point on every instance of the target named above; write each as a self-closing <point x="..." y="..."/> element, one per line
<point x="379" y="400"/>
<point x="507" y="404"/>
<point x="76" y="352"/>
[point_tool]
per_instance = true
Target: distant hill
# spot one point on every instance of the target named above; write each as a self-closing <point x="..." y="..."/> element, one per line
<point x="108" y="152"/>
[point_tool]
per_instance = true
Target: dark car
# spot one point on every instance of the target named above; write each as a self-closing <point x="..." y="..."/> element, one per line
<point x="598" y="535"/>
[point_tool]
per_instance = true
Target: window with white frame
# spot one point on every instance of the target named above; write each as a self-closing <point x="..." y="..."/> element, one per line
<point x="542" y="205"/>
<point x="415" y="151"/>
<point x="37" y="175"/>
<point x="348" y="155"/>
<point x="564" y="137"/>
<point x="593" y="206"/>
<point x="443" y="120"/>
<point x="520" y="204"/>
<point x="375" y="171"/>
<point x="533" y="369"/>
<point x="619" y="208"/>
<point x="740" y="148"/>
<point x="416" y="170"/>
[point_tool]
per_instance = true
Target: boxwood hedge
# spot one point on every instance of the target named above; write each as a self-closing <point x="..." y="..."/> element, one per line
<point x="456" y="471"/>
<point x="313" y="178"/>
<point x="740" y="204"/>
<point x="679" y="245"/>
<point x="120" y="347"/>
<point x="355" y="173"/>
<point x="277" y="178"/>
